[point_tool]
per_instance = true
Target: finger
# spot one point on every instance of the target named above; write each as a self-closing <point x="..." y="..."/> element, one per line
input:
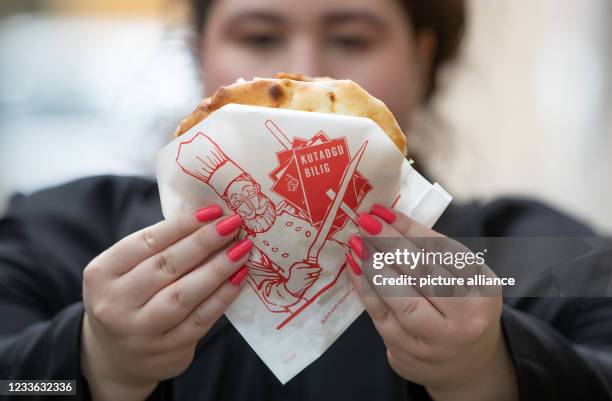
<point x="419" y="257"/>
<point x="362" y="251"/>
<point x="382" y="316"/>
<point x="421" y="238"/>
<point x="394" y="224"/>
<point x="416" y="314"/>
<point x="428" y="269"/>
<point x="168" y="265"/>
<point x="201" y="319"/>
<point x="374" y="305"/>
<point x="389" y="237"/>
<point x="382" y="238"/>
<point x="451" y="301"/>
<point x="394" y="335"/>
<point x="136" y="247"/>
<point x="175" y="302"/>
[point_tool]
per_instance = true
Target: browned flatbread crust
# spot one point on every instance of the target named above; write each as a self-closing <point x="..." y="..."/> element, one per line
<point x="297" y="92"/>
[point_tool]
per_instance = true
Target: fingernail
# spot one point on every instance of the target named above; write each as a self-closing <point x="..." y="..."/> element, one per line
<point x="208" y="213"/>
<point x="384" y="213"/>
<point x="369" y="223"/>
<point x="353" y="264"/>
<point x="356" y="244"/>
<point x="238" y="277"/>
<point x="239" y="249"/>
<point x="229" y="225"/>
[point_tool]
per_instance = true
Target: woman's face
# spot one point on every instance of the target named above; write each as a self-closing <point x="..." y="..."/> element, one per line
<point x="368" y="41"/>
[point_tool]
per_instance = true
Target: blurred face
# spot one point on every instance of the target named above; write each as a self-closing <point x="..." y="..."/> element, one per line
<point x="367" y="41"/>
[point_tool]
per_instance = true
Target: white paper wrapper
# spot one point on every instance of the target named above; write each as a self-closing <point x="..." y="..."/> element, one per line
<point x="282" y="171"/>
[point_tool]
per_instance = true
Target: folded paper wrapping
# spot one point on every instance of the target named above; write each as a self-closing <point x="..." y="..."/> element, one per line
<point x="298" y="180"/>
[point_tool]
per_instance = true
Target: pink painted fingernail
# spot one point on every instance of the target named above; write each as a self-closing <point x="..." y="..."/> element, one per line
<point x="229" y="225"/>
<point x="238" y="277"/>
<point x="239" y="249"/>
<point x="357" y="245"/>
<point x="208" y="213"/>
<point x="353" y="264"/>
<point x="384" y="213"/>
<point x="369" y="223"/>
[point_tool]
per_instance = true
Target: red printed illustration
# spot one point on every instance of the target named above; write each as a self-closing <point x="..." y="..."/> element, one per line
<point x="319" y="189"/>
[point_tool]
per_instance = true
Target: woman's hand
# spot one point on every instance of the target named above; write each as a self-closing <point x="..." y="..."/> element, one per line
<point x="453" y="345"/>
<point x="153" y="295"/>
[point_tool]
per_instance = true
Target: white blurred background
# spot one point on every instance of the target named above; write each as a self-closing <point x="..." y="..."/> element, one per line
<point x="96" y="86"/>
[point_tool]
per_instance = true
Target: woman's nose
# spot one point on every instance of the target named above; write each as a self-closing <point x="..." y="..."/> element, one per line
<point x="304" y="56"/>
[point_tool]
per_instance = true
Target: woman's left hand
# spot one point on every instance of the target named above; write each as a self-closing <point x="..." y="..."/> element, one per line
<point x="452" y="345"/>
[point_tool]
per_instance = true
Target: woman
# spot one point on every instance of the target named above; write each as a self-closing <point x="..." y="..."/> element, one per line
<point x="150" y="322"/>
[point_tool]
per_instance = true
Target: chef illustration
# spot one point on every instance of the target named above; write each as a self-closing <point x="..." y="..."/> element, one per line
<point x="282" y="266"/>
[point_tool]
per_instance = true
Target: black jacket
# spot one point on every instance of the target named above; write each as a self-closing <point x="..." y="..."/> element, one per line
<point x="561" y="347"/>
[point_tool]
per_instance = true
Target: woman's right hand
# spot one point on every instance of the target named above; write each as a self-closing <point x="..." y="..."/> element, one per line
<point x="151" y="296"/>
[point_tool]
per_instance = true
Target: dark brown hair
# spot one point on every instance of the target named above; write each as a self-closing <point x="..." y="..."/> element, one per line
<point x="445" y="19"/>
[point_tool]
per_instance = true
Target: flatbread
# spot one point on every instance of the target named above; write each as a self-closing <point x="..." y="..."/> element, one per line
<point x="297" y="92"/>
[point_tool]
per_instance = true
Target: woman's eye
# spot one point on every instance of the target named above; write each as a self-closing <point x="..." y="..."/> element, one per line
<point x="350" y="43"/>
<point x="262" y="41"/>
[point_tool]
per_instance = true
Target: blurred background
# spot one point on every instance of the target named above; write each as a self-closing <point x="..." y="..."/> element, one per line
<point x="97" y="86"/>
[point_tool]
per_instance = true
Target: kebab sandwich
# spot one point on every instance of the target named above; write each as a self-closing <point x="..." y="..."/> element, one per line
<point x="298" y="92"/>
